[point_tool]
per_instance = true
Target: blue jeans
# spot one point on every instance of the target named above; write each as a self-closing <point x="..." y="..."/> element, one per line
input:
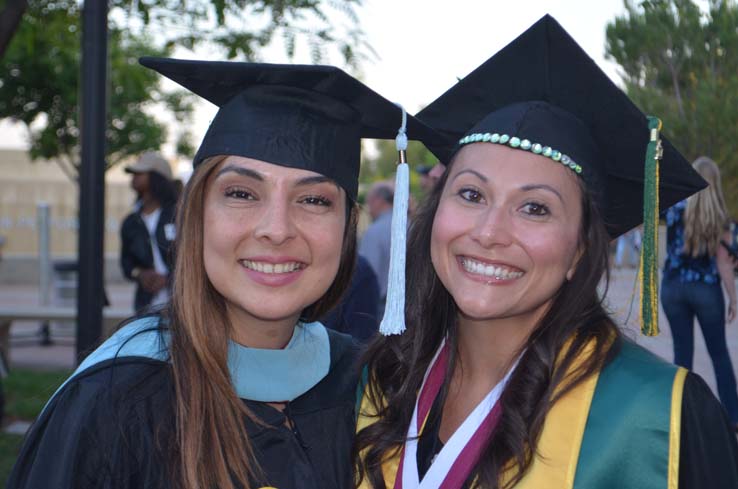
<point x="682" y="302"/>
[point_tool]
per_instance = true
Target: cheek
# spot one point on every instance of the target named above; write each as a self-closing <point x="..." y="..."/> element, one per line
<point x="447" y="225"/>
<point x="222" y="230"/>
<point x="555" y="250"/>
<point x="325" y="236"/>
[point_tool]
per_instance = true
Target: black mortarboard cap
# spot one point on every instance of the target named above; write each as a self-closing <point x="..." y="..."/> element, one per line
<point x="544" y="88"/>
<point x="310" y="117"/>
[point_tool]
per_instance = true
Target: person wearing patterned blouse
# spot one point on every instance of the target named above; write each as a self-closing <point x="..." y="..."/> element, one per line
<point x="694" y="269"/>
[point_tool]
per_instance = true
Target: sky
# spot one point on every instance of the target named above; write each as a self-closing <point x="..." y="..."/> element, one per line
<point x="424" y="46"/>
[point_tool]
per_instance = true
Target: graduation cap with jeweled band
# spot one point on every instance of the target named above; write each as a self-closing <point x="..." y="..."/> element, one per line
<point x="543" y="93"/>
<point x="310" y="117"/>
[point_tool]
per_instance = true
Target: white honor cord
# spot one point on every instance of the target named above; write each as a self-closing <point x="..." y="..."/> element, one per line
<point x="441" y="466"/>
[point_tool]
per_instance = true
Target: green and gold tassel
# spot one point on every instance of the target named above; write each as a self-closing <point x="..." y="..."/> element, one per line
<point x="648" y="273"/>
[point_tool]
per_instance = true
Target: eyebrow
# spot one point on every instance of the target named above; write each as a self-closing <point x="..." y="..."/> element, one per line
<point x="524" y="188"/>
<point x="473" y="172"/>
<point x="247" y="172"/>
<point x="542" y="186"/>
<point x="314" y="181"/>
<point x="240" y="171"/>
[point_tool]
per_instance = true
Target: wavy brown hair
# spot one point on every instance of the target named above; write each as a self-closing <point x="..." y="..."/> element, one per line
<point x="212" y="446"/>
<point x="397" y="364"/>
<point x="706" y="217"/>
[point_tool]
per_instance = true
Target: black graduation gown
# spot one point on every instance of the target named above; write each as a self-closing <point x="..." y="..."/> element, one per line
<point x="708" y="454"/>
<point x="100" y="430"/>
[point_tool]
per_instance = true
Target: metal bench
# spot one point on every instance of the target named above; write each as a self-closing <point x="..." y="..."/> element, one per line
<point x="111" y="319"/>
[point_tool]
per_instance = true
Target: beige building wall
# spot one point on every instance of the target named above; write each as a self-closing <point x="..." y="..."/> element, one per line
<point x="23" y="185"/>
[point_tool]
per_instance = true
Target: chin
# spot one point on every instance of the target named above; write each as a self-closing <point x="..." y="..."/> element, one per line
<point x="477" y="308"/>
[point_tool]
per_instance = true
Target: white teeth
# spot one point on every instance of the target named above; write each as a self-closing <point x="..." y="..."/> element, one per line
<point x="271" y="267"/>
<point x="498" y="273"/>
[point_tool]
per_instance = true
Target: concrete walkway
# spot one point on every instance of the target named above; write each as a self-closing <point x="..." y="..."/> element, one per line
<point x="26" y="352"/>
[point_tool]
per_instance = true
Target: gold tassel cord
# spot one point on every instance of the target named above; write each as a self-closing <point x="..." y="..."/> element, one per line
<point x="648" y="273"/>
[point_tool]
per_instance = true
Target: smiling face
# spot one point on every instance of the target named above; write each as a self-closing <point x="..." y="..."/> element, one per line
<point x="272" y="238"/>
<point x="505" y="235"/>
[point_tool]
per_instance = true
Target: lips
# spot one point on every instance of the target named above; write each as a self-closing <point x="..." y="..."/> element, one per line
<point x="494" y="271"/>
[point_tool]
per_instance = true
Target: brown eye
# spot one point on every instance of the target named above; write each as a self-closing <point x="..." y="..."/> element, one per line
<point x="535" y="209"/>
<point x="470" y="195"/>
<point x="316" y="200"/>
<point x="238" y="193"/>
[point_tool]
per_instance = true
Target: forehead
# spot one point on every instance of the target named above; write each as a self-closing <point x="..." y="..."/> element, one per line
<point x="502" y="165"/>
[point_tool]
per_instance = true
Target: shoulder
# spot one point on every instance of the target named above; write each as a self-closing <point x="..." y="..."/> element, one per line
<point x="372" y="231"/>
<point x="637" y="377"/>
<point x="363" y="270"/>
<point x="97" y="426"/>
<point x="118" y="380"/>
<point x="168" y="212"/>
<point x="339" y="385"/>
<point x="131" y="220"/>
<point x="708" y="447"/>
<point x="344" y="348"/>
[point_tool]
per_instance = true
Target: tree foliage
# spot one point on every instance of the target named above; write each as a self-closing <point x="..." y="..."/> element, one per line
<point x="381" y="166"/>
<point x="39" y="71"/>
<point x="39" y="86"/>
<point x="242" y="28"/>
<point x="680" y="62"/>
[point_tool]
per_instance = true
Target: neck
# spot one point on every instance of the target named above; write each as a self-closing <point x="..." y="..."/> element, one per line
<point x="488" y="348"/>
<point x="261" y="333"/>
<point x="148" y="204"/>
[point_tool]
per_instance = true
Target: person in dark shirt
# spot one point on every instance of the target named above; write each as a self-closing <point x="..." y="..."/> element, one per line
<point x="356" y="314"/>
<point x="148" y="233"/>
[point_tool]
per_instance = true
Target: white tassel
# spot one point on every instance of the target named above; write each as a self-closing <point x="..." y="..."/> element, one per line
<point x="393" y="321"/>
<point x="394" y="311"/>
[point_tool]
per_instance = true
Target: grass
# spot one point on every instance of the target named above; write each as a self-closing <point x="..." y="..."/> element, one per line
<point x="9" y="447"/>
<point x="26" y="393"/>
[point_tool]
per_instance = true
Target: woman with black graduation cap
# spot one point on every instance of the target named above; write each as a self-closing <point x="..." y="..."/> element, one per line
<point x="235" y="385"/>
<point x="512" y="373"/>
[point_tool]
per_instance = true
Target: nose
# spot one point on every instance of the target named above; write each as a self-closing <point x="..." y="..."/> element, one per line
<point x="275" y="224"/>
<point x="492" y="227"/>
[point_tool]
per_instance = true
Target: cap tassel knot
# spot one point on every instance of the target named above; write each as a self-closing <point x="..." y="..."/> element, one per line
<point x="647" y="272"/>
<point x="393" y="321"/>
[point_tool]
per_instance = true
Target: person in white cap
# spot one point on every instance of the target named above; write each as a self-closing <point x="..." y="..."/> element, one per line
<point x="148" y="232"/>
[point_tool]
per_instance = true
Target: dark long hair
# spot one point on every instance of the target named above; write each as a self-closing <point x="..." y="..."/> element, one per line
<point x="163" y="190"/>
<point x="397" y="364"/>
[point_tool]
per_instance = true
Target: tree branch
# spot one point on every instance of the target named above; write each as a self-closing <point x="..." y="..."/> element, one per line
<point x="68" y="167"/>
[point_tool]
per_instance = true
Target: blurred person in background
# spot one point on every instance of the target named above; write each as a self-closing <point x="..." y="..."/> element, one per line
<point x="356" y="314"/>
<point x="147" y="234"/>
<point x="695" y="267"/>
<point x="375" y="244"/>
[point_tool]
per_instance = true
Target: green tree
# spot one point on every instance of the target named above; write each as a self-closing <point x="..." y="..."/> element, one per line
<point x="39" y="71"/>
<point x="237" y="28"/>
<point x="680" y="62"/>
<point x="382" y="165"/>
<point x="39" y="77"/>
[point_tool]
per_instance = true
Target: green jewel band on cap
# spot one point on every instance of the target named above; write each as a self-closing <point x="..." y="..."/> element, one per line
<point x="524" y="144"/>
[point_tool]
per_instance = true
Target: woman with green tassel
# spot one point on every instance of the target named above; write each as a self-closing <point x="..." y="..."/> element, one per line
<point x="511" y="372"/>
